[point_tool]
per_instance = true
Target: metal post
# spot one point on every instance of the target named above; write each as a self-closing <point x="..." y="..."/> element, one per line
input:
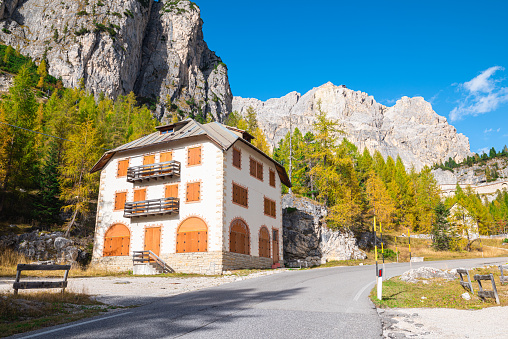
<point x="375" y="250"/>
<point x="409" y="238"/>
<point x="396" y="249"/>
<point x="382" y="245"/>
<point x="290" y="149"/>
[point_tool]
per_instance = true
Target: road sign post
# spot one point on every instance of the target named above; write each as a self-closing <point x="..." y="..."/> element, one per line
<point x="380" y="284"/>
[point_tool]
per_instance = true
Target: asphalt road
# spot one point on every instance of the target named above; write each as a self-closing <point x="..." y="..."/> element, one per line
<point x="318" y="303"/>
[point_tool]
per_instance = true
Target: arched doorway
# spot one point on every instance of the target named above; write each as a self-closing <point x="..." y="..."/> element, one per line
<point x="192" y="236"/>
<point x="264" y="242"/>
<point x="117" y="241"/>
<point x="239" y="237"/>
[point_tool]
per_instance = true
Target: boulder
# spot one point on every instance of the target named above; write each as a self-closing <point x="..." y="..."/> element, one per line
<point x="423" y="273"/>
<point x="308" y="239"/>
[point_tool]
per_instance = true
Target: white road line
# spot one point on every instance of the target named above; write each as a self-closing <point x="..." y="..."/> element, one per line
<point x="75" y="325"/>
<point x="357" y="296"/>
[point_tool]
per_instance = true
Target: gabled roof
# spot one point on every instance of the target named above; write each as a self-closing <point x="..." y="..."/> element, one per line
<point x="222" y="136"/>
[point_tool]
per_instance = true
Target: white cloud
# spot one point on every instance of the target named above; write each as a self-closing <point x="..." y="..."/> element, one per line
<point x="480" y="95"/>
<point x="498" y="130"/>
<point x="487" y="131"/>
<point x="483" y="82"/>
<point x="482" y="150"/>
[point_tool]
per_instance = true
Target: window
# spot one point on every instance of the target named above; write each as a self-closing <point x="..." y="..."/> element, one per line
<point x="120" y="198"/>
<point x="148" y="159"/>
<point x="237" y="158"/>
<point x="256" y="169"/>
<point x="171" y="191"/>
<point x="193" y="191"/>
<point x="122" y="168"/>
<point x="140" y="194"/>
<point x="269" y="207"/>
<point x="166" y="156"/>
<point x="264" y="242"/>
<point x="192" y="236"/>
<point x="239" y="237"/>
<point x="272" y="178"/>
<point x="194" y="156"/>
<point x="240" y="195"/>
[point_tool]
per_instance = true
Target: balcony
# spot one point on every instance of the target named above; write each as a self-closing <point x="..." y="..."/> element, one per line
<point x="153" y="171"/>
<point x="151" y="207"/>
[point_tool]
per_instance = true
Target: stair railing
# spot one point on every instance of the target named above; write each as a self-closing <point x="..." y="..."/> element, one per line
<point x="150" y="257"/>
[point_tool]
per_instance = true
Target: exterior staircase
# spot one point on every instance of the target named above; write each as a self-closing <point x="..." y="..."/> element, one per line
<point x="148" y="263"/>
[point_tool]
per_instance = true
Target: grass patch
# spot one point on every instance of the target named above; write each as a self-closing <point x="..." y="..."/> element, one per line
<point x="438" y="293"/>
<point x="32" y="311"/>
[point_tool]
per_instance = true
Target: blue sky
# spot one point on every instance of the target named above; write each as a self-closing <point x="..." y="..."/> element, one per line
<point x="453" y="53"/>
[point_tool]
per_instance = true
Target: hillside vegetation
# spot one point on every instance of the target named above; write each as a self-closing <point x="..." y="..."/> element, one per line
<point x="49" y="145"/>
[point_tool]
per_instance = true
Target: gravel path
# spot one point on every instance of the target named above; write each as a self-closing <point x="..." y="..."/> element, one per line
<point x="433" y="323"/>
<point x="130" y="291"/>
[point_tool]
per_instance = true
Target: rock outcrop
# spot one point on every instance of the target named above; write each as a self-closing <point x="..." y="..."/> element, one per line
<point x="307" y="238"/>
<point x="155" y="49"/>
<point x="52" y="247"/>
<point x="410" y="128"/>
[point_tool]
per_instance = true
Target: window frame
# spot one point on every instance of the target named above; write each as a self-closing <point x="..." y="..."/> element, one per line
<point x="272" y="174"/>
<point x="187" y="192"/>
<point x="270" y="209"/>
<point x="200" y="147"/>
<point x="118" y="167"/>
<point x="233" y="194"/>
<point x="116" y="197"/>
<point x="239" y="151"/>
<point x="256" y="169"/>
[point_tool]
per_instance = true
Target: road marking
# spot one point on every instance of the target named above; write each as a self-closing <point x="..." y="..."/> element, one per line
<point x="75" y="325"/>
<point x="357" y="296"/>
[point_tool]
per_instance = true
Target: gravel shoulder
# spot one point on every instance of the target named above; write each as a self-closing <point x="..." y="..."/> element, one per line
<point x="444" y="323"/>
<point x="133" y="291"/>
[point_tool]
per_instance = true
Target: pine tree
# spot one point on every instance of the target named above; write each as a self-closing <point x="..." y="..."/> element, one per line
<point x="440" y="232"/>
<point x="8" y="53"/>
<point x="48" y="204"/>
<point x="42" y="72"/>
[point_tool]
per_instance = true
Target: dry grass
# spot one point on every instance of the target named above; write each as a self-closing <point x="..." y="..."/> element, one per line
<point x="29" y="311"/>
<point x="438" y="293"/>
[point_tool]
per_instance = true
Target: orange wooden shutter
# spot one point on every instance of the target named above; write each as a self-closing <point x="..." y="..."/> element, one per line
<point x="148" y="159"/>
<point x="193" y="191"/>
<point x="252" y="167"/>
<point x="140" y="194"/>
<point x="120" y="200"/>
<point x="171" y="191"/>
<point x="194" y="156"/>
<point x="259" y="171"/>
<point x="272" y="178"/>
<point x="122" y="168"/>
<point x="237" y="158"/>
<point x="166" y="156"/>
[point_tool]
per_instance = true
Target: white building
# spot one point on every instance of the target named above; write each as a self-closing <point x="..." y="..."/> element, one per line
<point x="200" y="197"/>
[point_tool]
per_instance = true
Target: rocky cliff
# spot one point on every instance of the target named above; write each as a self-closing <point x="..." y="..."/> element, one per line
<point x="410" y="128"/>
<point x="307" y="238"/>
<point x="155" y="49"/>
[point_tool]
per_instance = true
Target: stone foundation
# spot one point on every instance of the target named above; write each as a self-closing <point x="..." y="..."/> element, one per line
<point x="116" y="264"/>
<point x="197" y="262"/>
<point x="236" y="261"/>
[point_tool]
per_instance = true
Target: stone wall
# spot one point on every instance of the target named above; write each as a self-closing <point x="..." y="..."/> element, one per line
<point x="307" y="238"/>
<point x="235" y="261"/>
<point x="197" y="262"/>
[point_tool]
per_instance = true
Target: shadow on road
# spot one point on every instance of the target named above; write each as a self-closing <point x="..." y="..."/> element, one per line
<point x="192" y="312"/>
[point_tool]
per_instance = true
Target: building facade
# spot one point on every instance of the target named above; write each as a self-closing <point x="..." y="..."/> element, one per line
<point x="199" y="196"/>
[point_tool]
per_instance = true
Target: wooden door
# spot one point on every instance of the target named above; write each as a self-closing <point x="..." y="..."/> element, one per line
<point x="275" y="248"/>
<point x="139" y="195"/>
<point x="148" y="160"/>
<point x="153" y="239"/>
<point x="166" y="156"/>
<point x="117" y="241"/>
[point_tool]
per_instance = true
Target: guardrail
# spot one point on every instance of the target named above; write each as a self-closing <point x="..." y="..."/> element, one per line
<point x="148" y="257"/>
<point x="151" y="207"/>
<point x="40" y="284"/>
<point x="153" y="171"/>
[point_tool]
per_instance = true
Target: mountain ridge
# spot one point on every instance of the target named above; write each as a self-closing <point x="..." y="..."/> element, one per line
<point x="153" y="48"/>
<point x="410" y="128"/>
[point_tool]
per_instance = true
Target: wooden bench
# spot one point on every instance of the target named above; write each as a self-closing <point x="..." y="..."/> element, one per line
<point x="486" y="294"/>
<point x="466" y="284"/>
<point x="40" y="284"/>
<point x="503" y="279"/>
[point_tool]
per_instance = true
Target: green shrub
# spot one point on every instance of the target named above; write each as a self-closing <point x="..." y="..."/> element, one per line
<point x="81" y="13"/>
<point x="505" y="241"/>
<point x="388" y="253"/>
<point x="81" y="31"/>
<point x="6" y="31"/>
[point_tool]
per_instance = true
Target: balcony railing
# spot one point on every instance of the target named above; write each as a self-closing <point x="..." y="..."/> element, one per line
<point x="151" y="207"/>
<point x="153" y="171"/>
